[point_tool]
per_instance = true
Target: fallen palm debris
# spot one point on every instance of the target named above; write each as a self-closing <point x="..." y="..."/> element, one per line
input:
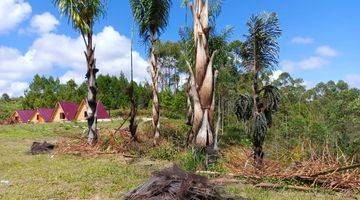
<point x="175" y="184"/>
<point x="38" y="148"/>
<point x="325" y="172"/>
<point x="109" y="142"/>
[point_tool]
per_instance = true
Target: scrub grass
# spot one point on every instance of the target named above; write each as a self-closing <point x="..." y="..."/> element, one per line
<point x="58" y="176"/>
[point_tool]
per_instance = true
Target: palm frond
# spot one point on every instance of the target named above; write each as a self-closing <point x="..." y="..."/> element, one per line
<point x="270" y="96"/>
<point x="82" y="14"/>
<point x="261" y="42"/>
<point x="259" y="129"/>
<point x="244" y="107"/>
<point x="151" y="16"/>
<point x="214" y="10"/>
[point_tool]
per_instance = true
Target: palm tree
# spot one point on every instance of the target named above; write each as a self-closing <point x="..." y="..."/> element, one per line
<point x="83" y="14"/>
<point x="259" y="57"/>
<point x="203" y="80"/>
<point x="152" y="19"/>
<point x="132" y="125"/>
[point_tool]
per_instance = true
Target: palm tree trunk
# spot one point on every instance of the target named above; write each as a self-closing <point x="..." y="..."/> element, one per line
<point x="155" y="106"/>
<point x="132" y="125"/>
<point x="203" y="81"/>
<point x="92" y="91"/>
<point x="258" y="153"/>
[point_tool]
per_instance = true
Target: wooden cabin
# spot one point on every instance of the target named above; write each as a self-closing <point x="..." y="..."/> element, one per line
<point x="81" y="114"/>
<point x="64" y="111"/>
<point x="22" y="116"/>
<point x="42" y="115"/>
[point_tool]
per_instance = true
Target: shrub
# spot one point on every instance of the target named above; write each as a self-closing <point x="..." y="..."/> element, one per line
<point x="165" y="151"/>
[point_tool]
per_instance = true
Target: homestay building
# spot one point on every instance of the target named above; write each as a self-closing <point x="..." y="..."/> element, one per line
<point x="102" y="114"/>
<point x="22" y="116"/>
<point x="64" y="111"/>
<point x="42" y="115"/>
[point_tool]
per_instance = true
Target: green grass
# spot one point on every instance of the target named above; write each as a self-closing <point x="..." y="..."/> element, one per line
<point x="50" y="176"/>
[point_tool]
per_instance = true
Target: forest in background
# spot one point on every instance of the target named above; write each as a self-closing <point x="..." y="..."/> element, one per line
<point x="327" y="114"/>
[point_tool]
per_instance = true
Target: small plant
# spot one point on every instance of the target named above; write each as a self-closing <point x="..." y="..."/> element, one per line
<point x="165" y="151"/>
<point x="191" y="159"/>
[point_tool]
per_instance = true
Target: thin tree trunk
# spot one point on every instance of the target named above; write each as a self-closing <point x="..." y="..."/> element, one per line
<point x="218" y="124"/>
<point x="155" y="106"/>
<point x="92" y="91"/>
<point x="132" y="125"/>
<point x="190" y="110"/>
<point x="258" y="153"/>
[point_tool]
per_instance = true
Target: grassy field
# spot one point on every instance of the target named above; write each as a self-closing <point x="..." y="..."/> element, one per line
<point x="49" y="176"/>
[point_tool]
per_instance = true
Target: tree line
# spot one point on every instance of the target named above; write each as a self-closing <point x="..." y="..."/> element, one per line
<point x="113" y="92"/>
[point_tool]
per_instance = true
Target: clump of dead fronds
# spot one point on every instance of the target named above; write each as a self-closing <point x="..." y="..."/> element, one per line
<point x="177" y="184"/>
<point x="322" y="170"/>
<point x="109" y="142"/>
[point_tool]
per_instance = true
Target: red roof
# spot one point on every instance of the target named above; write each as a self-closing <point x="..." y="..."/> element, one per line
<point x="46" y="113"/>
<point x="101" y="111"/>
<point x="25" y="115"/>
<point x="70" y="109"/>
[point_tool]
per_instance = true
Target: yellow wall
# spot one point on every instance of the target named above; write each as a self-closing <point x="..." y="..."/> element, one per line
<point x="34" y="118"/>
<point x="80" y="116"/>
<point x="16" y="115"/>
<point x="56" y="116"/>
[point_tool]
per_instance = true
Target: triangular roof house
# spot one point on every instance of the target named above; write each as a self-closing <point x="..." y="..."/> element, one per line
<point x="64" y="111"/>
<point x="22" y="116"/>
<point x="102" y="114"/>
<point x="42" y="115"/>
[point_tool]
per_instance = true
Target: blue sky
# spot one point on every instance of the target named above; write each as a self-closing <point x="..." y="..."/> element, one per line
<point x="320" y="39"/>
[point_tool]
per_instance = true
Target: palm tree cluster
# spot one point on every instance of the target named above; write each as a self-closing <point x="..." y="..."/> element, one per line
<point x="259" y="55"/>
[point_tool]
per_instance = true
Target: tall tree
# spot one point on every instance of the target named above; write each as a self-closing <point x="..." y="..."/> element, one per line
<point x="152" y="19"/>
<point x="260" y="56"/>
<point x="83" y="15"/>
<point x="132" y="125"/>
<point x="203" y="80"/>
<point x="168" y="60"/>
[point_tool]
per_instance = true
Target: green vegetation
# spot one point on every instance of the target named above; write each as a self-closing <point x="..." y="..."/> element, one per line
<point x="229" y="102"/>
<point x="62" y="176"/>
<point x="7" y="107"/>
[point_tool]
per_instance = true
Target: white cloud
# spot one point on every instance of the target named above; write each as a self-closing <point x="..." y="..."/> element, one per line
<point x="326" y="51"/>
<point x="12" y="13"/>
<point x="275" y="75"/>
<point x="43" y="23"/>
<point x="353" y="80"/>
<point x="302" y="40"/>
<point x="112" y="54"/>
<point x="14" y="65"/>
<point x="13" y="89"/>
<point x="51" y="51"/>
<point x="309" y="84"/>
<point x="313" y="62"/>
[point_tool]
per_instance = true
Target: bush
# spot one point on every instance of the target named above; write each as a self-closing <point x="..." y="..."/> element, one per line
<point x="190" y="160"/>
<point x="166" y="151"/>
<point x="235" y="134"/>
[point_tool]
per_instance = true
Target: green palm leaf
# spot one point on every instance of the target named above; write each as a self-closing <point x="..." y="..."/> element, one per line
<point x="82" y="13"/>
<point x="151" y="16"/>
